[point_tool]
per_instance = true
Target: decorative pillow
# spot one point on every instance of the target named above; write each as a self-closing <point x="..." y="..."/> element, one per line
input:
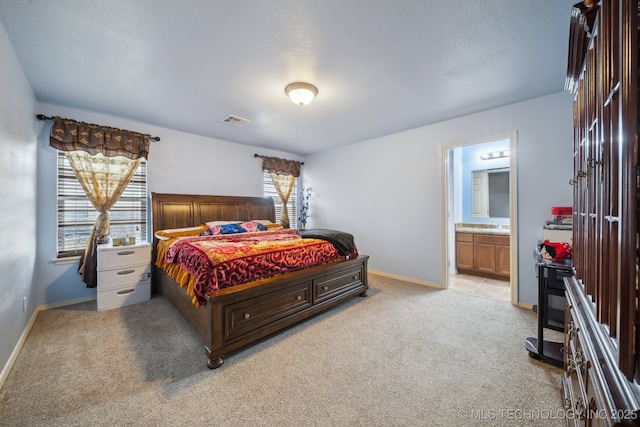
<point x="273" y="226"/>
<point x="262" y="221"/>
<point x="253" y="226"/>
<point x="231" y="229"/>
<point x="214" y="223"/>
<point x="225" y="229"/>
<point x="180" y="232"/>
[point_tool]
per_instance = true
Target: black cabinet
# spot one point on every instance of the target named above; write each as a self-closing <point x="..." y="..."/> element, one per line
<point x="551" y="300"/>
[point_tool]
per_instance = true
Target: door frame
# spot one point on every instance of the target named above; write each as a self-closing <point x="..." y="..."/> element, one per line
<point x="448" y="237"/>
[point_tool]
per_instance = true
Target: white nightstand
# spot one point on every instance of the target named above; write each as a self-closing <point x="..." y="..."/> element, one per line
<point x="124" y="275"/>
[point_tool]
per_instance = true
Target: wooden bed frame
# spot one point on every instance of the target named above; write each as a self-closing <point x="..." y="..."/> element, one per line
<point x="234" y="317"/>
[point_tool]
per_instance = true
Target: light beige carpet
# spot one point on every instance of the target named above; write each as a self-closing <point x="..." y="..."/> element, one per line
<point x="406" y="355"/>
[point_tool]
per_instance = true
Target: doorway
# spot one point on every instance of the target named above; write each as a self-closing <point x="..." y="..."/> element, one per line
<point x="463" y="163"/>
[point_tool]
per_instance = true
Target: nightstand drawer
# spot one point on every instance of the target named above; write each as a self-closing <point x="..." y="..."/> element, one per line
<point x="122" y="256"/>
<point x="109" y="279"/>
<point x="124" y="295"/>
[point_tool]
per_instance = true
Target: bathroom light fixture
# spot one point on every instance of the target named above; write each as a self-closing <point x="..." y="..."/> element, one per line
<point x="494" y="155"/>
<point x="301" y="93"/>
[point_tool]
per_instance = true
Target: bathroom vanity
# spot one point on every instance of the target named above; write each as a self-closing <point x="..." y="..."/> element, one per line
<point x="483" y="250"/>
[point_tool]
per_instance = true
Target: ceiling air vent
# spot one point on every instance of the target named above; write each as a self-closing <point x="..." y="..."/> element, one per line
<point x="235" y="120"/>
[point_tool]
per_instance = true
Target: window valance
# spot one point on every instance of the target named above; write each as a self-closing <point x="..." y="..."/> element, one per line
<point x="281" y="166"/>
<point x="70" y="135"/>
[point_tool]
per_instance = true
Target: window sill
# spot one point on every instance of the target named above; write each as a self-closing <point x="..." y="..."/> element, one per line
<point x="66" y="260"/>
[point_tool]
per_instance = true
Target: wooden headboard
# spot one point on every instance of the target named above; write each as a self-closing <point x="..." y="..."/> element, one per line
<point x="187" y="210"/>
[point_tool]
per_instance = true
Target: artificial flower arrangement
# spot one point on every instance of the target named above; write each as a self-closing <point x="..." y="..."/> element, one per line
<point x="305" y="195"/>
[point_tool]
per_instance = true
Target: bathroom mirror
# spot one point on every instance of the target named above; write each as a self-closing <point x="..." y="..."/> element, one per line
<point x="490" y="193"/>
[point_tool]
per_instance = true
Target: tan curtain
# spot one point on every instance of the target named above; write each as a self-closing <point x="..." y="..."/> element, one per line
<point x="284" y="186"/>
<point x="103" y="179"/>
<point x="283" y="174"/>
<point x="104" y="160"/>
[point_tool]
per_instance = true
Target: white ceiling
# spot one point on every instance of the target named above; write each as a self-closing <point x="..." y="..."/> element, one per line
<point x="380" y="66"/>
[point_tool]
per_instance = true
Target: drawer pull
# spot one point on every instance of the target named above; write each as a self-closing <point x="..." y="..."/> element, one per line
<point x="579" y="358"/>
<point x="130" y="252"/>
<point x="325" y="288"/>
<point x="580" y="408"/>
<point x="354" y="277"/>
<point x="124" y="272"/>
<point x="126" y="291"/>
<point x="612" y="218"/>
<point x="298" y="297"/>
<point x="572" y="330"/>
<point x="567" y="402"/>
<point x="247" y="315"/>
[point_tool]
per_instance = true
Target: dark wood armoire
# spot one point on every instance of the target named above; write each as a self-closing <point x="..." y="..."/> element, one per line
<point x="602" y="339"/>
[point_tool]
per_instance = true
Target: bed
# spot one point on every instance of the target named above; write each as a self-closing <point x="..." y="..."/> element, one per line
<point x="232" y="317"/>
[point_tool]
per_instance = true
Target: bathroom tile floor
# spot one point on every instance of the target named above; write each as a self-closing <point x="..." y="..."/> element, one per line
<point x="481" y="286"/>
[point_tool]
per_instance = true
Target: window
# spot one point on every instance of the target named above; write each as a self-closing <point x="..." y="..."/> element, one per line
<point x="292" y="205"/>
<point x="76" y="214"/>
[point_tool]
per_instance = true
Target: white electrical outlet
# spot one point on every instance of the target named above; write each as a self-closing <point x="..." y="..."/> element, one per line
<point x="24" y="304"/>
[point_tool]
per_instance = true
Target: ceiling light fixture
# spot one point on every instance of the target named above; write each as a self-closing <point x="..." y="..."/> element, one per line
<point x="301" y="93"/>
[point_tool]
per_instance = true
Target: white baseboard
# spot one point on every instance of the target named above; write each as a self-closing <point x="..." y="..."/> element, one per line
<point x="525" y="305"/>
<point x="66" y="303"/>
<point x="25" y="333"/>
<point x="18" y="347"/>
<point x="407" y="279"/>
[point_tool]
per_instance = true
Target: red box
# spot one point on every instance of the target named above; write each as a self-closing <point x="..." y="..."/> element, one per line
<point x="560" y="210"/>
<point x="561" y="213"/>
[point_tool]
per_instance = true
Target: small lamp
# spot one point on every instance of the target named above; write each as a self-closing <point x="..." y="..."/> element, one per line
<point x="301" y="93"/>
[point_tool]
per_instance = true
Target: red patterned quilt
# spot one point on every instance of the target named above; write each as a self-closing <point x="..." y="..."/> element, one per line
<point x="220" y="261"/>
